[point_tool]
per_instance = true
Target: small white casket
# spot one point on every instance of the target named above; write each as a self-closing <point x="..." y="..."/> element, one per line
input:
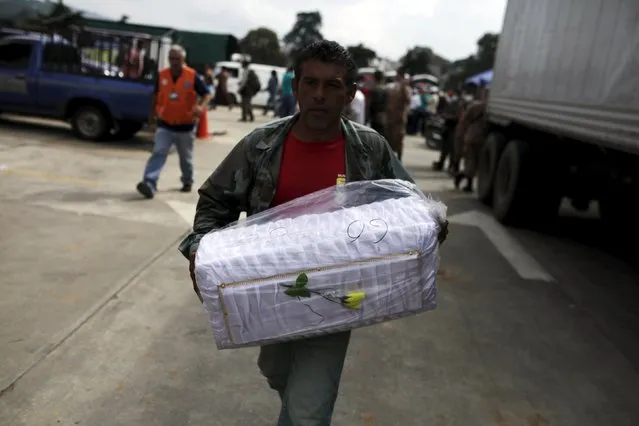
<point x="341" y="258"/>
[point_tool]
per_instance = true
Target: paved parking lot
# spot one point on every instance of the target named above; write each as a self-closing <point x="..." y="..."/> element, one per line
<point x="99" y="326"/>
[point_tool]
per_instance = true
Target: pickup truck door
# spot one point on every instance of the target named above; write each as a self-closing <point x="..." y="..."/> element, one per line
<point x="16" y="90"/>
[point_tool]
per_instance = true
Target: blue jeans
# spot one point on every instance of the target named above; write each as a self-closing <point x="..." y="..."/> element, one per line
<point x="306" y="374"/>
<point x="287" y="105"/>
<point x="162" y="143"/>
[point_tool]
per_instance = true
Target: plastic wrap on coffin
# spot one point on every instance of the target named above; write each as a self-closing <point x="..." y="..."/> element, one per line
<point x="387" y="250"/>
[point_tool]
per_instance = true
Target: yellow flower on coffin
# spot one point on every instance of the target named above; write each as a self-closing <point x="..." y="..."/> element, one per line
<point x="353" y="299"/>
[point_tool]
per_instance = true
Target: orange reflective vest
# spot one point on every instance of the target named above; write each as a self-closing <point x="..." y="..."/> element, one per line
<point x="175" y="100"/>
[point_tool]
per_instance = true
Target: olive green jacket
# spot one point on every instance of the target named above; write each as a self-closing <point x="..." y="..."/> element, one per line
<point x="247" y="178"/>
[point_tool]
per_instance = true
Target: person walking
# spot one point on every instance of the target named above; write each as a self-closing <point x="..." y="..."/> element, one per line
<point x="471" y="132"/>
<point x="376" y="105"/>
<point x="273" y="86"/>
<point x="280" y="162"/>
<point x="451" y="113"/>
<point x="221" y="90"/>
<point x="288" y="101"/>
<point x="177" y="107"/>
<point x="249" y="86"/>
<point x="397" y="106"/>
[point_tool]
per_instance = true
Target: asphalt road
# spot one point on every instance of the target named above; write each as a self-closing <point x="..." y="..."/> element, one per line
<point x="99" y="326"/>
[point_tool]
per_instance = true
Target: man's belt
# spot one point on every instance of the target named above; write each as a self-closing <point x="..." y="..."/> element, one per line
<point x="174" y="123"/>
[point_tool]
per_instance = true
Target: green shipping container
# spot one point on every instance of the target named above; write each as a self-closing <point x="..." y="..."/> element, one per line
<point x="201" y="48"/>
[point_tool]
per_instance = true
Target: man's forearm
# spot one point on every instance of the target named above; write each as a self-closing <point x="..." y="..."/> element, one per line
<point x="205" y="100"/>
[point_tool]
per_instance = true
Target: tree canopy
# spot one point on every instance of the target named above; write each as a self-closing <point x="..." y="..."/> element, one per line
<point x="306" y="30"/>
<point x="263" y="45"/>
<point x="362" y="55"/>
<point x="417" y="60"/>
<point x="482" y="60"/>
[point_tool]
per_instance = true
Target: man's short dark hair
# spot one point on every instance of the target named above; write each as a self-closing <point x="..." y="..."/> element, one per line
<point x="378" y="76"/>
<point x="329" y="52"/>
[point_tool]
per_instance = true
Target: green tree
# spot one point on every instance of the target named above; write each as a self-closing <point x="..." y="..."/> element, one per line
<point x="263" y="45"/>
<point x="482" y="60"/>
<point x="486" y="51"/>
<point x="362" y="55"/>
<point x="306" y="30"/>
<point x="416" y="60"/>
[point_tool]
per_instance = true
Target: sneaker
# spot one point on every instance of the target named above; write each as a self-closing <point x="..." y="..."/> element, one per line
<point x="144" y="189"/>
<point x="186" y="188"/>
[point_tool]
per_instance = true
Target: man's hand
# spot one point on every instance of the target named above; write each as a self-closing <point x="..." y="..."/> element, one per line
<point x="192" y="272"/>
<point x="443" y="233"/>
<point x="198" y="111"/>
<point x="152" y="122"/>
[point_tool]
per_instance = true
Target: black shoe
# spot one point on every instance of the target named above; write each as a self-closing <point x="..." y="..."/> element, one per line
<point x="144" y="189"/>
<point x="437" y="166"/>
<point x="186" y="188"/>
<point x="458" y="179"/>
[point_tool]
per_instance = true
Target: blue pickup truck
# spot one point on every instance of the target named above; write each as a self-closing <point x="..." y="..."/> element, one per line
<point x="47" y="76"/>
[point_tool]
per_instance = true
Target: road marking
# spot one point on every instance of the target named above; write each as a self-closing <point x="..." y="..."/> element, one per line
<point x="49" y="176"/>
<point x="185" y="210"/>
<point x="525" y="265"/>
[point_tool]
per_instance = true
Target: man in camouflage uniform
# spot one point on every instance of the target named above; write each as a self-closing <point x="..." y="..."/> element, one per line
<point x="277" y="162"/>
<point x="470" y="134"/>
<point x="397" y="107"/>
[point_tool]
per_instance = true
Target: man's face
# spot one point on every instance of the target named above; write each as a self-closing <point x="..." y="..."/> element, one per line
<point x="176" y="61"/>
<point x="322" y="93"/>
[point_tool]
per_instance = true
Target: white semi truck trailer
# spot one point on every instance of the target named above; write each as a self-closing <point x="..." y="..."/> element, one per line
<point x="563" y="111"/>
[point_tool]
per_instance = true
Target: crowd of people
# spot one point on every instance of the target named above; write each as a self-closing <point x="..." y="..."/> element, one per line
<point x="464" y="128"/>
<point x="398" y="108"/>
<point x="281" y="99"/>
<point x="392" y="109"/>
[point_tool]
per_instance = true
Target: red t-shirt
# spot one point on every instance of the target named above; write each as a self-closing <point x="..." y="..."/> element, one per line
<point x="308" y="167"/>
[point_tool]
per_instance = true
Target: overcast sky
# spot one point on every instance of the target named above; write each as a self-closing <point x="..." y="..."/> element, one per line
<point x="450" y="27"/>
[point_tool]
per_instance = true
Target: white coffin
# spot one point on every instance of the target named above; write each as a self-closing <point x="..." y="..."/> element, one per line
<point x="386" y="249"/>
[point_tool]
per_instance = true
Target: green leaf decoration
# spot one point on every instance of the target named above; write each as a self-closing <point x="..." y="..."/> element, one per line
<point x="302" y="280"/>
<point x="300" y="291"/>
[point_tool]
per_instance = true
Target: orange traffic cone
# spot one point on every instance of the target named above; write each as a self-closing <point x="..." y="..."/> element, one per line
<point x="203" y="127"/>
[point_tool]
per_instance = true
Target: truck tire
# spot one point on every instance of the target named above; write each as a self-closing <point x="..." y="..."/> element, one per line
<point x="523" y="195"/>
<point x="126" y="130"/>
<point x="488" y="161"/>
<point x="90" y="123"/>
<point x="232" y="99"/>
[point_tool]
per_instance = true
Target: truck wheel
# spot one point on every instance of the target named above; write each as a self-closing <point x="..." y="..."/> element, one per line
<point x="520" y="195"/>
<point x="488" y="161"/>
<point x="232" y="99"/>
<point x="126" y="130"/>
<point x="509" y="176"/>
<point x="90" y="123"/>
